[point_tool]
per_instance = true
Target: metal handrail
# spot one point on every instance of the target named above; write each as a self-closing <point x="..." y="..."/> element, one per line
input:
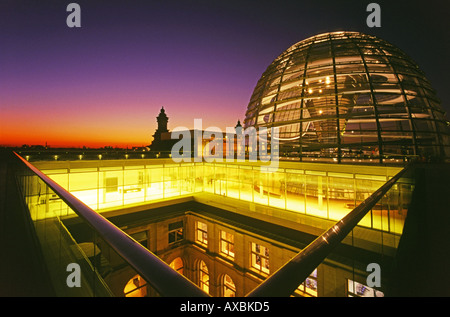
<point x="165" y="280"/>
<point x="287" y="279"/>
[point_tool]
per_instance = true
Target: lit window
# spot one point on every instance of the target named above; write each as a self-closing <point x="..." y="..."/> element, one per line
<point x="203" y="277"/>
<point x="177" y="265"/>
<point x="229" y="288"/>
<point x="201" y="235"/>
<point x="175" y="232"/>
<point x="260" y="258"/>
<point x="227" y="243"/>
<point x="136" y="287"/>
<point x="356" y="289"/>
<point x="309" y="286"/>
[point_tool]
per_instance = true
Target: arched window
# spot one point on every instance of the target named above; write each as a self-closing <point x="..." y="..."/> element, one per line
<point x="177" y="265"/>
<point x="203" y="277"/>
<point x="228" y="286"/>
<point x="136" y="287"/>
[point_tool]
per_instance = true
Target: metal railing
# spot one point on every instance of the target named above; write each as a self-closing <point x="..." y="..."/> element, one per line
<point x="286" y="279"/>
<point x="159" y="275"/>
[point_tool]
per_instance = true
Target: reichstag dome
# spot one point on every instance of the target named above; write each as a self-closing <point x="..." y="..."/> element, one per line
<point x="346" y="96"/>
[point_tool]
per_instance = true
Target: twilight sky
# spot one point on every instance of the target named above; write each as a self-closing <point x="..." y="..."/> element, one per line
<point x="103" y="84"/>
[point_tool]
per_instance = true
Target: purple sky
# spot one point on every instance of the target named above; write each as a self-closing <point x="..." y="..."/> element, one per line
<point x="104" y="83"/>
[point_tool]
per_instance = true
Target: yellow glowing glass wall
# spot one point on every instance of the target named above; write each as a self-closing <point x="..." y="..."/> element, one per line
<point x="113" y="186"/>
<point x="328" y="192"/>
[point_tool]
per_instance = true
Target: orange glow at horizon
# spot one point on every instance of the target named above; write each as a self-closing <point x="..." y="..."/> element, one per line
<point x="94" y="128"/>
<point x="67" y="133"/>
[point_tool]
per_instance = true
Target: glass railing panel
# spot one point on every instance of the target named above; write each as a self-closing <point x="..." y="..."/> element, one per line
<point x="260" y="187"/>
<point x="295" y="188"/>
<point x="276" y="189"/>
<point x="232" y="181"/>
<point x="199" y="177"/>
<point x="341" y="189"/>
<point x="62" y="253"/>
<point x="246" y="186"/>
<point x="316" y="194"/>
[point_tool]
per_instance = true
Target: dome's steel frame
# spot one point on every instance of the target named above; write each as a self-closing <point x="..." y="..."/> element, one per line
<point x="348" y="96"/>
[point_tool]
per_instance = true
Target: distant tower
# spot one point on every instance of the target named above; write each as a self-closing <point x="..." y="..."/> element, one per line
<point x="162" y="125"/>
<point x="162" y="142"/>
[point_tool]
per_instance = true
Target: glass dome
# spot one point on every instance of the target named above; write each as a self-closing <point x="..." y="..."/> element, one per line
<point x="348" y="96"/>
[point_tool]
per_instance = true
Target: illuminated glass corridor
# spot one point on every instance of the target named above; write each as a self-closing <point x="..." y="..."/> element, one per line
<point x="321" y="190"/>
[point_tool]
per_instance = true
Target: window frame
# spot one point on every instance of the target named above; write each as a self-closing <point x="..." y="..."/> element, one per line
<point x="354" y="293"/>
<point x="203" y="271"/>
<point x="227" y="287"/>
<point x="177" y="232"/>
<point x="263" y="254"/>
<point x="201" y="233"/>
<point x="226" y="244"/>
<point x="302" y="289"/>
